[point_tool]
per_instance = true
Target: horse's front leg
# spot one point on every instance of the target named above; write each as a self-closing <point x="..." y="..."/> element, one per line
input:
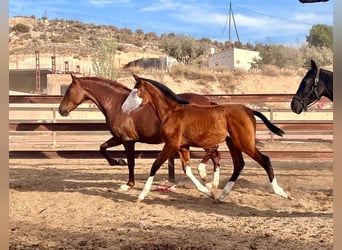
<point x="112" y="142"/>
<point x="184" y="155"/>
<point x="202" y="171"/>
<point x="167" y="151"/>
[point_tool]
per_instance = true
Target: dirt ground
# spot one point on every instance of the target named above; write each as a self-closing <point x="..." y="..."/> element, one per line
<point x="78" y="204"/>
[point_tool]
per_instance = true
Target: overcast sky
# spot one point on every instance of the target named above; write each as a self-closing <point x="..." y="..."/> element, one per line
<point x="278" y="21"/>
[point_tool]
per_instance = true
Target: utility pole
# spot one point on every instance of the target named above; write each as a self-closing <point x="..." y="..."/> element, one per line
<point x="231" y="16"/>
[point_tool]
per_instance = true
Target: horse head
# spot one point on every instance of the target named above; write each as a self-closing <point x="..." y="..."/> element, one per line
<point x="309" y="91"/>
<point x="143" y="93"/>
<point x="73" y="97"/>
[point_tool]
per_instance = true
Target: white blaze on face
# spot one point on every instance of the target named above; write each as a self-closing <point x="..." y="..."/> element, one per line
<point x="132" y="102"/>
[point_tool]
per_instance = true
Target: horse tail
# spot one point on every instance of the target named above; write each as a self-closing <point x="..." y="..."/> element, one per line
<point x="268" y="124"/>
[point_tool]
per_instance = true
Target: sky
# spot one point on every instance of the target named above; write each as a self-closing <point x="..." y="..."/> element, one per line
<point x="285" y="22"/>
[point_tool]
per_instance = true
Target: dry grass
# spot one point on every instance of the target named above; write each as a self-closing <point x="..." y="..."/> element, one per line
<point x="270" y="70"/>
<point x="204" y="76"/>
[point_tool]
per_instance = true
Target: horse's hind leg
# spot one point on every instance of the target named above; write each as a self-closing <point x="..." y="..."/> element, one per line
<point x="265" y="162"/>
<point x="112" y="142"/>
<point x="238" y="164"/>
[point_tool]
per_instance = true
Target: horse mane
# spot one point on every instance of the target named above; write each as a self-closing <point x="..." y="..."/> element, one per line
<point x="327" y="71"/>
<point x="167" y="91"/>
<point x="106" y="82"/>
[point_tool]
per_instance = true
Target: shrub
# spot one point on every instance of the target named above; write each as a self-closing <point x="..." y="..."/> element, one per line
<point x="61" y="39"/>
<point x="270" y="70"/>
<point x="21" y="28"/>
<point x="191" y="72"/>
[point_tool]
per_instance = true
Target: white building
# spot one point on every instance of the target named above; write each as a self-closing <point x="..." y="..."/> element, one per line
<point x="232" y="58"/>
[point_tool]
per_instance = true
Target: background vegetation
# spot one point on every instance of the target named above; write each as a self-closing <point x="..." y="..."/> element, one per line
<point x="84" y="40"/>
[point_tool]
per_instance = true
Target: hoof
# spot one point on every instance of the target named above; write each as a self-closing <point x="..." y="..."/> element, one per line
<point x="211" y="195"/>
<point x="125" y="187"/>
<point x="122" y="162"/>
<point x="140" y="198"/>
<point x="218" y="201"/>
<point x="113" y="162"/>
<point x="289" y="197"/>
<point x="284" y="195"/>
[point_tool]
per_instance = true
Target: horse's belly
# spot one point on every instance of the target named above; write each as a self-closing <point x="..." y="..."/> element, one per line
<point x="206" y="140"/>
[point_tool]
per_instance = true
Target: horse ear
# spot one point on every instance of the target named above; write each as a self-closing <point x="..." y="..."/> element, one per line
<point x="137" y="78"/>
<point x="72" y="76"/>
<point x="313" y="65"/>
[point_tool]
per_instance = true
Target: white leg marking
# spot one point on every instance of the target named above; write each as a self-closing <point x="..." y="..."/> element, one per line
<point x="124" y="187"/>
<point x="202" y="171"/>
<point x="197" y="183"/>
<point x="227" y="188"/>
<point x="277" y="189"/>
<point x="146" y="188"/>
<point x="216" y="178"/>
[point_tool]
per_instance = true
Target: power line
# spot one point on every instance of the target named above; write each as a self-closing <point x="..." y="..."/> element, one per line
<point x="274" y="17"/>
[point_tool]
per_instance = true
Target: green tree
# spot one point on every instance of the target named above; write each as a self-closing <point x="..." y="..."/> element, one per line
<point x="277" y="55"/>
<point x="184" y="48"/>
<point x="321" y="35"/>
<point x="103" y="62"/>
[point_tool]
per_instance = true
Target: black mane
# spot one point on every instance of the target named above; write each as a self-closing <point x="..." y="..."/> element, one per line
<point x="167" y="91"/>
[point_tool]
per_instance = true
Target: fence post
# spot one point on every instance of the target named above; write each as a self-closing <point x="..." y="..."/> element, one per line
<point x="54" y="141"/>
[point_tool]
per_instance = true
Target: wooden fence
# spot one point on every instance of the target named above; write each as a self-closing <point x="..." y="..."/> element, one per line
<point x="290" y="126"/>
<point x="324" y="127"/>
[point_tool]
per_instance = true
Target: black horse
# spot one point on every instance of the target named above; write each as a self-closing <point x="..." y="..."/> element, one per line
<point x="315" y="84"/>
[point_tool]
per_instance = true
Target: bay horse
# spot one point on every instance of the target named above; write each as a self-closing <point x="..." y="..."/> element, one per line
<point x="143" y="126"/>
<point x="315" y="84"/>
<point x="185" y="125"/>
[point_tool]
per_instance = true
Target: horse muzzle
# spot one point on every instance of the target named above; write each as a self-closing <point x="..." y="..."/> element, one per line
<point x="297" y="105"/>
<point x="63" y="112"/>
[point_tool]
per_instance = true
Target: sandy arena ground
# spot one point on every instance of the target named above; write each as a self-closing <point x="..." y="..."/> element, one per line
<point x="77" y="204"/>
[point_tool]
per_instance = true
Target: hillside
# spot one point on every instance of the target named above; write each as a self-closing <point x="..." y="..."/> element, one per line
<point x="28" y="34"/>
<point x="75" y="42"/>
<point x="72" y="41"/>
